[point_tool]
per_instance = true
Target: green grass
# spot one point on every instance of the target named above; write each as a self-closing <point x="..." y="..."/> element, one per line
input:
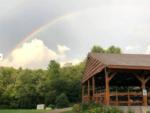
<point x="67" y="112"/>
<point x="21" y="111"/>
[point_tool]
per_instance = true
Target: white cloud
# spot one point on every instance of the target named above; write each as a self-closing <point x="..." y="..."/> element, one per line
<point x="137" y="49"/>
<point x="133" y="49"/>
<point x="72" y="62"/>
<point x="147" y="50"/>
<point x="62" y="49"/>
<point x="1" y="56"/>
<point x="30" y="54"/>
<point x="36" y="54"/>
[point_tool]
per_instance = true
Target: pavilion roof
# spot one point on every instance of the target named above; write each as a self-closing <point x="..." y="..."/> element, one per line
<point x="96" y="62"/>
<point x="122" y="59"/>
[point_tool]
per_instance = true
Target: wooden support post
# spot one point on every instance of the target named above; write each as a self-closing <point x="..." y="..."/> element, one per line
<point x="117" y="97"/>
<point x="93" y="87"/>
<point x="144" y="96"/>
<point x="88" y="90"/>
<point x="107" y="92"/>
<point x="143" y="81"/>
<point x="129" y="98"/>
<point x="82" y="93"/>
<point x="107" y="87"/>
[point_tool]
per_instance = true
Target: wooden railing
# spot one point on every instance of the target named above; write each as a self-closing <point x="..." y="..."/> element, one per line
<point x="99" y="98"/>
<point x="86" y="98"/>
<point x="126" y="98"/>
<point x="119" y="98"/>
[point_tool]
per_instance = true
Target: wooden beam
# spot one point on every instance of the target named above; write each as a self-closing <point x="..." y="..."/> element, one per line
<point x="143" y="81"/>
<point x="139" y="78"/>
<point x="88" y="90"/>
<point x="144" y="96"/>
<point x="117" y="99"/>
<point x="112" y="76"/>
<point x="107" y="87"/>
<point x="107" y="91"/>
<point x="147" y="79"/>
<point x="142" y="78"/>
<point x="129" y="67"/>
<point x="129" y="98"/>
<point x="93" y="86"/>
<point x="82" y="93"/>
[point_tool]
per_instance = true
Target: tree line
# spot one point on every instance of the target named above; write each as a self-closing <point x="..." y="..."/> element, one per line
<point x="25" y="88"/>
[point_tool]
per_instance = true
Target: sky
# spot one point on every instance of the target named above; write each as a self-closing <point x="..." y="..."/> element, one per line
<point x="33" y="32"/>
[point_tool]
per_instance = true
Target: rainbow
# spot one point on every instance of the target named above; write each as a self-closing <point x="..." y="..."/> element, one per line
<point x="32" y="34"/>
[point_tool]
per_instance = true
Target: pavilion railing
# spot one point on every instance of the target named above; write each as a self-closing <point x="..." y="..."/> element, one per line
<point x="119" y="97"/>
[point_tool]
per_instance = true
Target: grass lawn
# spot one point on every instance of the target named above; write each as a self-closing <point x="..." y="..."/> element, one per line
<point x="21" y="111"/>
<point x="67" y="112"/>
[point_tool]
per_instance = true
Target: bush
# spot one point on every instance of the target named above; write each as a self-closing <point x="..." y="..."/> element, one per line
<point x="90" y="105"/>
<point x="96" y="110"/>
<point x="104" y="109"/>
<point x="113" y="110"/>
<point x="62" y="101"/>
<point x="130" y="111"/>
<point x="77" y="108"/>
<point x="51" y="106"/>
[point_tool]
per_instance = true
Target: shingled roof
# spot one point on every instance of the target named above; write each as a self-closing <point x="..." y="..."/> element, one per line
<point x="122" y="59"/>
<point x="96" y="62"/>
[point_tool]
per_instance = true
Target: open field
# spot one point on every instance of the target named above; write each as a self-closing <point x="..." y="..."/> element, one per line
<point x="67" y="112"/>
<point x="37" y="111"/>
<point x="21" y="111"/>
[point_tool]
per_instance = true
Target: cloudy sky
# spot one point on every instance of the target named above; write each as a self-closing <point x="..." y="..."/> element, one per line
<point x="32" y="32"/>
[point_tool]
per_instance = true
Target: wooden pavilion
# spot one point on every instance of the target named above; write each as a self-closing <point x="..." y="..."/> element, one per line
<point x="117" y="79"/>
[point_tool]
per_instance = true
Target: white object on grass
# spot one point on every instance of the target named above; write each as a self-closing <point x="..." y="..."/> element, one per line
<point x="48" y="108"/>
<point x="40" y="106"/>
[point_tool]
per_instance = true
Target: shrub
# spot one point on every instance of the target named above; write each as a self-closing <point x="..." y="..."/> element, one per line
<point x="104" y="110"/>
<point x="130" y="111"/>
<point x="92" y="107"/>
<point x="51" y="106"/>
<point x="89" y="105"/>
<point x="62" y="101"/>
<point x="96" y="110"/>
<point x="77" y="108"/>
<point x="113" y="110"/>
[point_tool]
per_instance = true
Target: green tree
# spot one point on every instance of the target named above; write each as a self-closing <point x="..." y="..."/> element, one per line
<point x="7" y="83"/>
<point x="53" y="83"/>
<point x="97" y="49"/>
<point x="53" y="69"/>
<point x="73" y="76"/>
<point x="62" y="101"/>
<point x="25" y="88"/>
<point x="29" y="90"/>
<point x="113" y="49"/>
